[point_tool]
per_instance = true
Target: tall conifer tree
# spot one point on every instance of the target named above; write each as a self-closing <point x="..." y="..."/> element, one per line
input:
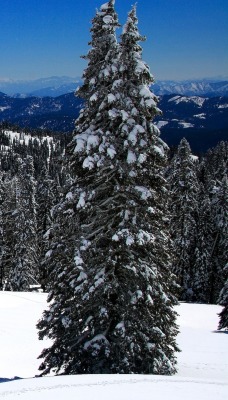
<point x="202" y="265"/>
<point x="219" y="252"/>
<point x="2" y="200"/>
<point x="8" y="226"/>
<point x="45" y="201"/>
<point x="213" y="174"/>
<point x="112" y="302"/>
<point x="223" y="300"/>
<point x="184" y="210"/>
<point x="24" y="260"/>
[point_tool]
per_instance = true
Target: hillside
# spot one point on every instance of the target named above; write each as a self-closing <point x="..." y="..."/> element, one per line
<point x="202" y="120"/>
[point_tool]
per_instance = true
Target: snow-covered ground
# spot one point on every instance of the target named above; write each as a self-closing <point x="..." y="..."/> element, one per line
<point x="202" y="364"/>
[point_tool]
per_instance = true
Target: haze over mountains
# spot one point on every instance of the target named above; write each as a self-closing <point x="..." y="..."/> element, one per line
<point x="52" y="86"/>
<point x="56" y="86"/>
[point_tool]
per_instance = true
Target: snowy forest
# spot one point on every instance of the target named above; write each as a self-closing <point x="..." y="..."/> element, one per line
<point x="111" y="223"/>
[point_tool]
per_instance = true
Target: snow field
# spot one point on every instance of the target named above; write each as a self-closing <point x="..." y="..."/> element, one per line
<point x="103" y="387"/>
<point x="202" y="364"/>
<point x="20" y="347"/>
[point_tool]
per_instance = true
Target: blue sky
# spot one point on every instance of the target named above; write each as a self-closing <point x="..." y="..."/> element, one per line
<point x="185" y="38"/>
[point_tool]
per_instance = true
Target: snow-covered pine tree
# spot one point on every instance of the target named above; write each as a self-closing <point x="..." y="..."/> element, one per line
<point x="45" y="201"/>
<point x="213" y="174"/>
<point x="216" y="163"/>
<point x="99" y="72"/>
<point x="101" y="68"/>
<point x="2" y="199"/>
<point x="112" y="302"/>
<point x="8" y="225"/>
<point x="219" y="251"/>
<point x="184" y="188"/>
<point x="202" y="252"/>
<point x="24" y="262"/>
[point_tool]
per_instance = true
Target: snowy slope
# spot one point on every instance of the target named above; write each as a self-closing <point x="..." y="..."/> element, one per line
<point x="202" y="364"/>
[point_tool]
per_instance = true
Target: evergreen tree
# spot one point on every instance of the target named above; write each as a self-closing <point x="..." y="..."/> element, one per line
<point x="223" y="300"/>
<point x="213" y="175"/>
<point x="101" y="67"/>
<point x="216" y="162"/>
<point x="202" y="253"/>
<point x="8" y="226"/>
<point x="2" y="198"/>
<point x="24" y="262"/>
<point x="184" y="210"/>
<point x="45" y="202"/>
<point x="219" y="250"/>
<point x="111" y="305"/>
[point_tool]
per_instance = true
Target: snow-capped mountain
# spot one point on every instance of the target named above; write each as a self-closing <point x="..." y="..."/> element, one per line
<point x="192" y="88"/>
<point x="202" y="121"/>
<point x="56" y="86"/>
<point x="193" y="112"/>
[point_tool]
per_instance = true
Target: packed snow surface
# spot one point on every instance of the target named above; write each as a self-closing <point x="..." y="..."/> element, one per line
<point x="202" y="364"/>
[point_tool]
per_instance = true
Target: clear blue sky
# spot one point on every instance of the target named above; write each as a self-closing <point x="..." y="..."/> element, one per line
<point x="185" y="38"/>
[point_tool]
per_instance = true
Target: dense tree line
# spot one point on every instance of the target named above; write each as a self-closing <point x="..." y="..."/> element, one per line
<point x="111" y="227"/>
<point x="31" y="180"/>
<point x="197" y="208"/>
<point x="198" y="224"/>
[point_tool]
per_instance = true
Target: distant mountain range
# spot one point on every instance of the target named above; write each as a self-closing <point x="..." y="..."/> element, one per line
<point x="202" y="120"/>
<point x="192" y="88"/>
<point x="56" y="86"/>
<point x="53" y="113"/>
<point x="53" y="86"/>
